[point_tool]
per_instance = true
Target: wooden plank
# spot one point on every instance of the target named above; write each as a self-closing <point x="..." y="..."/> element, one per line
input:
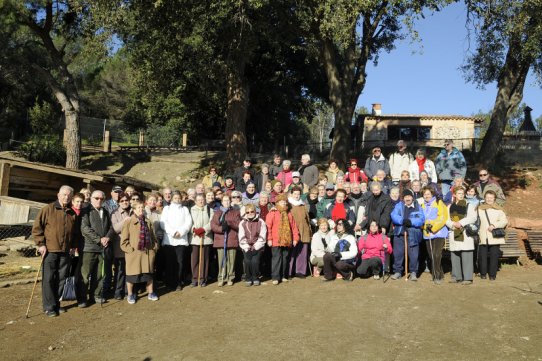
<point x="5" y="169"/>
<point x="12" y="213"/>
<point x="53" y="169"/>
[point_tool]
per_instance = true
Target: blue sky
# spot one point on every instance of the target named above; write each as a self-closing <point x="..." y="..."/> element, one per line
<point x="424" y="77"/>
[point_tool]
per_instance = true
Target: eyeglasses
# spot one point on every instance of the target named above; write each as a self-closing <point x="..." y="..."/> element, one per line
<point x="98" y="198"/>
<point x="124" y="200"/>
<point x="353" y="163"/>
<point x="250" y="212"/>
<point x="236" y="197"/>
<point x="483" y="174"/>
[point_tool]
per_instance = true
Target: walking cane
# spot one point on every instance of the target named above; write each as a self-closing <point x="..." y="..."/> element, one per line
<point x="34" y="288"/>
<point x="223" y="267"/>
<point x="199" y="264"/>
<point x="406" y="256"/>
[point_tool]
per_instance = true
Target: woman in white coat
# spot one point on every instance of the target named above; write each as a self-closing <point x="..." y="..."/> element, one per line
<point x="461" y="215"/>
<point x="421" y="163"/>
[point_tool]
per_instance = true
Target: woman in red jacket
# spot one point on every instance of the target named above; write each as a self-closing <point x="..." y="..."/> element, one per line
<point x="282" y="233"/>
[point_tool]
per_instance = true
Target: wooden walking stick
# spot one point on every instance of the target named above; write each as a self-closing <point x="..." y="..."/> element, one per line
<point x="199" y="263"/>
<point x="406" y="256"/>
<point x="34" y="288"/>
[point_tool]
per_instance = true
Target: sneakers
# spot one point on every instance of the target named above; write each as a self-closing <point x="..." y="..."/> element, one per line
<point x="413" y="277"/>
<point x="285" y="280"/>
<point x="152" y="297"/>
<point x="82" y="305"/>
<point x="350" y="277"/>
<point x="194" y="284"/>
<point x="466" y="283"/>
<point x="256" y="283"/>
<point x="376" y="277"/>
<point x="179" y="288"/>
<point x="230" y="283"/>
<point x="203" y="284"/>
<point x="248" y="283"/>
<point x="220" y="283"/>
<point x="131" y="299"/>
<point x="61" y="310"/>
<point x="51" y="313"/>
<point x="100" y="300"/>
<point x="275" y="282"/>
<point x="396" y="276"/>
<point x="437" y="282"/>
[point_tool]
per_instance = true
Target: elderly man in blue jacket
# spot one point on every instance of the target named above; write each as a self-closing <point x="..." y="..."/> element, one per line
<point x="407" y="216"/>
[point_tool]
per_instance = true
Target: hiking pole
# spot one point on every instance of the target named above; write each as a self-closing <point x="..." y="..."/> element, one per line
<point x="433" y="271"/>
<point x="199" y="263"/>
<point x="223" y="267"/>
<point x="406" y="256"/>
<point x="34" y="288"/>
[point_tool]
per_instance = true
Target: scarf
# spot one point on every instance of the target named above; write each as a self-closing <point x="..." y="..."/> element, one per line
<point x="458" y="211"/>
<point x="338" y="212"/>
<point x="484" y="206"/>
<point x="302" y="169"/>
<point x="144" y="234"/>
<point x="421" y="164"/>
<point x="294" y="202"/>
<point x="285" y="233"/>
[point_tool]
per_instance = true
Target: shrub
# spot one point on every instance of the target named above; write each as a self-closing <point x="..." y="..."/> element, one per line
<point x="45" y="148"/>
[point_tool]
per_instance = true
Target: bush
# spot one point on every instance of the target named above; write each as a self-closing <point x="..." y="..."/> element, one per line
<point x="46" y="148"/>
<point x="162" y="135"/>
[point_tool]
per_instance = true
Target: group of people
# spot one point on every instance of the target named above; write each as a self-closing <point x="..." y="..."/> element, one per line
<point x="278" y="222"/>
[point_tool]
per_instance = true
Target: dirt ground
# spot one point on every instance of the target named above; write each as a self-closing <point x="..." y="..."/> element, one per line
<point x="302" y="319"/>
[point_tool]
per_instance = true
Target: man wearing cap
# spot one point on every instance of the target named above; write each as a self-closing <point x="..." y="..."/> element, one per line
<point x="112" y="204"/>
<point x="296" y="183"/>
<point x="328" y="198"/>
<point x="246" y="167"/>
<point x="407" y="216"/>
<point x="309" y="172"/>
<point x="375" y="162"/>
<point x="400" y="161"/>
<point x="449" y="163"/>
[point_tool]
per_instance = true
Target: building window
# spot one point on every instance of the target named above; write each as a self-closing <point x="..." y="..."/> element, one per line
<point x="416" y="134"/>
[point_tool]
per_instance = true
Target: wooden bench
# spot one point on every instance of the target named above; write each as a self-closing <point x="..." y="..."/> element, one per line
<point x="512" y="249"/>
<point x="535" y="242"/>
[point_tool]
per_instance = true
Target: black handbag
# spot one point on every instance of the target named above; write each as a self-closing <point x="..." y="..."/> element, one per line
<point x="496" y="232"/>
<point x="68" y="294"/>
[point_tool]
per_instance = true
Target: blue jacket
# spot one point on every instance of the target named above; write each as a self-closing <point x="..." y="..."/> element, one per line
<point x="448" y="166"/>
<point x="417" y="219"/>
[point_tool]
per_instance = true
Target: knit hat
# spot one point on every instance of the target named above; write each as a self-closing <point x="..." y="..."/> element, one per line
<point x="408" y="192"/>
<point x="216" y="184"/>
<point x="281" y="197"/>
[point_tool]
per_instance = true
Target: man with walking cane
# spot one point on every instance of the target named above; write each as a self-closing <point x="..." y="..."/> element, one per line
<point x="54" y="231"/>
<point x="408" y="219"/>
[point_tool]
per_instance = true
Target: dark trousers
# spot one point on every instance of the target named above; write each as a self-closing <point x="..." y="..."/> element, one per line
<point x="434" y="249"/>
<point x="174" y="265"/>
<point x="374" y="264"/>
<point x="280" y="262"/>
<point x="399" y="255"/>
<point x="120" y="276"/>
<point x="424" y="259"/>
<point x="332" y="267"/>
<point x="109" y="261"/>
<point x="92" y="271"/>
<point x="55" y="271"/>
<point x="266" y="261"/>
<point x="159" y="268"/>
<point x="251" y="261"/>
<point x="194" y="261"/>
<point x="299" y="259"/>
<point x="493" y="251"/>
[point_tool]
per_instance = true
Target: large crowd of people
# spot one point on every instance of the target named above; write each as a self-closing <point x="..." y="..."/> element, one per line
<point x="394" y="216"/>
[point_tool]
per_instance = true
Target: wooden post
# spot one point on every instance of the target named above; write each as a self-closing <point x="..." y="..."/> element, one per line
<point x="4" y="178"/>
<point x="141" y="138"/>
<point x="107" y="142"/>
<point x="185" y="140"/>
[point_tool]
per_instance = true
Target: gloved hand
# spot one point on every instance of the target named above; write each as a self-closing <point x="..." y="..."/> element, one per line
<point x="429" y="228"/>
<point x="407" y="223"/>
<point x="200" y="232"/>
<point x="225" y="227"/>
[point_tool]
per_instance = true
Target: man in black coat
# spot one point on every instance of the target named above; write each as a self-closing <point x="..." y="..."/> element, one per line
<point x="379" y="208"/>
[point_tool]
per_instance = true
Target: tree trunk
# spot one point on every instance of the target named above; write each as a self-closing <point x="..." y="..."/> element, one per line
<point x="509" y="94"/>
<point x="341" y="148"/>
<point x="73" y="139"/>
<point x="236" y="114"/>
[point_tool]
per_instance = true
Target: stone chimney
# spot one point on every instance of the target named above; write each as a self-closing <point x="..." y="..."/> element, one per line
<point x="377" y="109"/>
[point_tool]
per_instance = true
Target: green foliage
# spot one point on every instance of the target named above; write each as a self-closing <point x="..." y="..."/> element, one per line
<point x="44" y="148"/>
<point x="163" y="135"/>
<point x="43" y="118"/>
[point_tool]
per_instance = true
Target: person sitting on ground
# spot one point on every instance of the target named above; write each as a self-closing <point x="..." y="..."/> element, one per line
<point x="320" y="245"/>
<point x="201" y="240"/>
<point x="252" y="239"/>
<point x="282" y="234"/>
<point x="461" y="215"/>
<point x="339" y="209"/>
<point x="211" y="178"/>
<point x="225" y="226"/>
<point x="399" y="161"/>
<point x="486" y="183"/>
<point x="333" y="171"/>
<point x="300" y="252"/>
<point x="420" y="164"/>
<point x="376" y="162"/>
<point x="372" y="248"/>
<point x="354" y="173"/>
<point x="344" y="253"/>
<point x="407" y="217"/>
<point x="491" y="216"/>
<point x="140" y="245"/>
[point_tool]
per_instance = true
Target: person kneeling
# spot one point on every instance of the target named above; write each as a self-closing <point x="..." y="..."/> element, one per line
<point x="343" y="258"/>
<point x="373" y="247"/>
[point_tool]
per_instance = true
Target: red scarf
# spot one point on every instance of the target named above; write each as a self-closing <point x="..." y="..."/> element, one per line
<point x="421" y="163"/>
<point x="338" y="212"/>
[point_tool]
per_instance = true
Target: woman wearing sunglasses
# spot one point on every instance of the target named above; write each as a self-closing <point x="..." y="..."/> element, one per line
<point x="252" y="236"/>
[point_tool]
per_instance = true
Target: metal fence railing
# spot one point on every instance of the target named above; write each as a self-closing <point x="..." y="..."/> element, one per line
<point x="16" y="238"/>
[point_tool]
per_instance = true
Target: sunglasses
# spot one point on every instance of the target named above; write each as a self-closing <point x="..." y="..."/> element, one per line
<point x="483" y="174"/>
<point x="98" y="198"/>
<point x="236" y="197"/>
<point x="250" y="212"/>
<point x="353" y="164"/>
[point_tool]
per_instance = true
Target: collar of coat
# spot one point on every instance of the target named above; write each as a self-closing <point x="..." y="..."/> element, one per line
<point x="484" y="206"/>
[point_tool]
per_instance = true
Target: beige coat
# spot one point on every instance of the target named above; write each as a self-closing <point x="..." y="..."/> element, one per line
<point x="468" y="242"/>
<point x="301" y="217"/>
<point x="137" y="262"/>
<point x="498" y="220"/>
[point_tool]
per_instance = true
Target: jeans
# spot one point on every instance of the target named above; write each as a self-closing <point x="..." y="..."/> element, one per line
<point x="55" y="271"/>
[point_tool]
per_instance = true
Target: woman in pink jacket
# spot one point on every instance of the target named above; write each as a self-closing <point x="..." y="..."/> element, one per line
<point x="282" y="233"/>
<point x="372" y="248"/>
